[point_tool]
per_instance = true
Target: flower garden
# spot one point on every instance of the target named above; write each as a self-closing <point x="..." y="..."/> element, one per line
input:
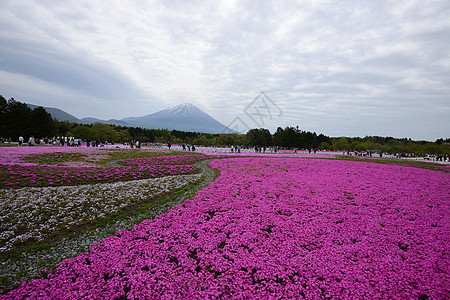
<point x="269" y="227"/>
<point x="26" y="174"/>
<point x="34" y="213"/>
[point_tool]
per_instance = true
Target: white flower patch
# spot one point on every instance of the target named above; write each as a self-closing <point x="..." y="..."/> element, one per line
<point x="33" y="213"/>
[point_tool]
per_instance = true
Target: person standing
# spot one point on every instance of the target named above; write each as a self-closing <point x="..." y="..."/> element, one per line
<point x="20" y="140"/>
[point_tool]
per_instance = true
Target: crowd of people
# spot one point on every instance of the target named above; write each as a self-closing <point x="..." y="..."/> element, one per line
<point x="56" y="141"/>
<point x="184" y="146"/>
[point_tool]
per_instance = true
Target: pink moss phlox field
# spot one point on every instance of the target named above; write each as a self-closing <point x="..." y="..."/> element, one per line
<point x="15" y="173"/>
<point x="163" y="160"/>
<point x="15" y="155"/>
<point x="271" y="228"/>
<point x="306" y="154"/>
<point x="24" y="175"/>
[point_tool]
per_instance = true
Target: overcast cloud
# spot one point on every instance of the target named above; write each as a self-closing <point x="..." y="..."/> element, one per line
<point x="342" y="68"/>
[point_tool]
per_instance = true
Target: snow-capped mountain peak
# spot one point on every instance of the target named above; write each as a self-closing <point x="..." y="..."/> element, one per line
<point x="184" y="116"/>
<point x="182" y="109"/>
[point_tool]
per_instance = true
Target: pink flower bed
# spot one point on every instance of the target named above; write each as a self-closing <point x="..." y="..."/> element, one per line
<point x="163" y="160"/>
<point x="271" y="228"/>
<point x="284" y="153"/>
<point x="20" y="175"/>
<point x="15" y="155"/>
<point x="14" y="172"/>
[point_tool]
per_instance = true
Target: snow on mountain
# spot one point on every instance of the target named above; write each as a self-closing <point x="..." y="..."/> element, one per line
<point x="182" y="109"/>
<point x="183" y="117"/>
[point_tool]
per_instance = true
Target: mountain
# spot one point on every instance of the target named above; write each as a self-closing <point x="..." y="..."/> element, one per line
<point x="58" y="114"/>
<point x="91" y="120"/>
<point x="62" y="116"/>
<point x="110" y="122"/>
<point x="183" y="117"/>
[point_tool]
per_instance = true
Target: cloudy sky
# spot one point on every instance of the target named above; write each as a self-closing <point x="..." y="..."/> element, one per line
<point x="342" y="68"/>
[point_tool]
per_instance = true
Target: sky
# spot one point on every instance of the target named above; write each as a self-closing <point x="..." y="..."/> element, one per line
<point x="341" y="68"/>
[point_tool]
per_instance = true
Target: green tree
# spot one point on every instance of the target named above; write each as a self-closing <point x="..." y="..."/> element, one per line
<point x="202" y="140"/>
<point x="386" y="149"/>
<point x="321" y="138"/>
<point x="42" y="123"/>
<point x="63" y="128"/>
<point x="259" y="137"/>
<point x="445" y="148"/>
<point x="18" y="119"/>
<point x="104" y="132"/>
<point x="287" y="137"/>
<point x="359" y="147"/>
<point x="324" y="146"/>
<point x="81" y="131"/>
<point x="432" y="148"/>
<point x="341" y="144"/>
<point x="124" y="136"/>
<point x="3" y="117"/>
<point x="277" y="136"/>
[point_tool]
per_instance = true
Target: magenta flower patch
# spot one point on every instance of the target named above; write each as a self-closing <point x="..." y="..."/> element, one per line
<point x="22" y="175"/>
<point x="273" y="228"/>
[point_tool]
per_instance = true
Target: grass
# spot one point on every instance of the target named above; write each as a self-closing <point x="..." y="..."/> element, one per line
<point x="122" y="154"/>
<point x="56" y="158"/>
<point x="38" y="247"/>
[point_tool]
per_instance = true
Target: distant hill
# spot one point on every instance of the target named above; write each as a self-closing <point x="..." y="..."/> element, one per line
<point x="111" y="121"/>
<point x="183" y="117"/>
<point x="58" y="114"/>
<point x="90" y="120"/>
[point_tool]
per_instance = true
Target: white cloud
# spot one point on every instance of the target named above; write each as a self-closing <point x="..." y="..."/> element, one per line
<point x="31" y="90"/>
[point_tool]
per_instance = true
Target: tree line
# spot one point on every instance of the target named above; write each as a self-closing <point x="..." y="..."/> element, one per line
<point x="391" y="145"/>
<point x="17" y="119"/>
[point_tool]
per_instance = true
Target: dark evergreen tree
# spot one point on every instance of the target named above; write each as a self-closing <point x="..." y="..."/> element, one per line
<point x="259" y="137"/>
<point x="3" y="116"/>
<point x="41" y="123"/>
<point x="17" y="119"/>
